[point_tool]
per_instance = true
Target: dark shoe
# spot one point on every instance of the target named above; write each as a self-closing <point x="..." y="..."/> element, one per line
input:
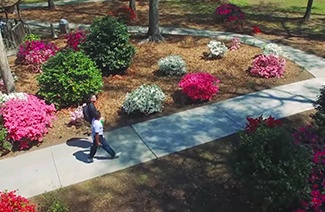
<point x="90" y="160"/>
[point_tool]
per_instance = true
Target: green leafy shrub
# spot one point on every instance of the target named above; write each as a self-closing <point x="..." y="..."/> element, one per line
<point x="52" y="203"/>
<point x="108" y="45"/>
<point x="5" y="146"/>
<point x="31" y="37"/>
<point x="172" y="65"/>
<point x="145" y="99"/>
<point x="319" y="116"/>
<point x="274" y="168"/>
<point x="68" y="78"/>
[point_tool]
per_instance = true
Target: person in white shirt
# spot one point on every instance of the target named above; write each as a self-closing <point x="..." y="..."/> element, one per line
<point x="99" y="139"/>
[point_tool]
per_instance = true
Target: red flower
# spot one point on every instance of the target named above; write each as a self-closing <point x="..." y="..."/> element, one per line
<point x="256" y="29"/>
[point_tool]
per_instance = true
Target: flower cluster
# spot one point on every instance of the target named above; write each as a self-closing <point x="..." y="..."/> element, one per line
<point x="254" y="123"/>
<point x="18" y="95"/>
<point x="172" y="65"/>
<point x="199" y="86"/>
<point x="230" y="13"/>
<point x="145" y="99"/>
<point x="268" y="66"/>
<point x="125" y="13"/>
<point x="35" y="53"/>
<point x="27" y="120"/>
<point x="272" y="48"/>
<point x="75" y="38"/>
<point x="307" y="135"/>
<point x="217" y="49"/>
<point x="234" y="44"/>
<point x="10" y="202"/>
<point x="77" y="115"/>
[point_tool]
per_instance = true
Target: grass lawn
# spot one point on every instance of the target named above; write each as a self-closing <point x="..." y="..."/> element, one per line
<point x="197" y="179"/>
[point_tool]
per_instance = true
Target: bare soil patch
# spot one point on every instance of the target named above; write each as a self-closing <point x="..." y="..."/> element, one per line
<point x="232" y="71"/>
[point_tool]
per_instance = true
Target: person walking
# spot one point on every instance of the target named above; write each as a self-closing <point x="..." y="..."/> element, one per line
<point x="99" y="139"/>
<point x="91" y="108"/>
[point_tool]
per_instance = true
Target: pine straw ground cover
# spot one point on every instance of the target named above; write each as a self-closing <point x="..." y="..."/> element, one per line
<point x="232" y="71"/>
<point x="196" y="179"/>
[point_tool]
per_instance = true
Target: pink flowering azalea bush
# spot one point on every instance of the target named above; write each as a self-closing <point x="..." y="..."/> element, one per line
<point x="27" y="120"/>
<point x="34" y="53"/>
<point x="309" y="136"/>
<point x="234" y="44"/>
<point x="75" y="38"/>
<point x="199" y="86"/>
<point x="11" y="202"/>
<point x="268" y="66"/>
<point x="273" y="167"/>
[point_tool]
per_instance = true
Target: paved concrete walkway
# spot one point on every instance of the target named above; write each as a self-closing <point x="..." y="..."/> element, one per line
<point x="50" y="168"/>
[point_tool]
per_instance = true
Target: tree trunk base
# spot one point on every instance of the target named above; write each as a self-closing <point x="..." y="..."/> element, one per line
<point x="154" y="38"/>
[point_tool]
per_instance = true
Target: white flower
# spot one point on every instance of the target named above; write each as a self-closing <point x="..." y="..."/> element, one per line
<point x="172" y="65"/>
<point x="145" y="99"/>
<point x="272" y="48"/>
<point x="217" y="49"/>
<point x="17" y="95"/>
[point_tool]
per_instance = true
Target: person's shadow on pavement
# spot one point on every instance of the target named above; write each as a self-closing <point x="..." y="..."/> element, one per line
<point x="83" y="143"/>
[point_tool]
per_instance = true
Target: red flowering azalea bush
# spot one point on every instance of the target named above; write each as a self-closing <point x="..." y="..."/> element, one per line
<point x="75" y="38"/>
<point x="125" y="14"/>
<point x="309" y="136"/>
<point x="35" y="53"/>
<point x="230" y="14"/>
<point x="11" y="202"/>
<point x="27" y="120"/>
<point x="199" y="86"/>
<point x="268" y="66"/>
<point x="274" y="168"/>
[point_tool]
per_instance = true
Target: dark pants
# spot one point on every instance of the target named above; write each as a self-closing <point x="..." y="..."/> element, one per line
<point x="104" y="145"/>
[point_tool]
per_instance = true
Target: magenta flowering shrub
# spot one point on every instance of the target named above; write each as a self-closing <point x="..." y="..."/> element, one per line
<point x="199" y="86"/>
<point x="268" y="66"/>
<point x="34" y="53"/>
<point x="309" y="136"/>
<point x="75" y="38"/>
<point x="27" y="120"/>
<point x="230" y="14"/>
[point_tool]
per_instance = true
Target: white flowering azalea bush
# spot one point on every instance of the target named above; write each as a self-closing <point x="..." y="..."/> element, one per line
<point x="172" y="65"/>
<point x="17" y="95"/>
<point x="272" y="48"/>
<point x="145" y="99"/>
<point x="217" y="49"/>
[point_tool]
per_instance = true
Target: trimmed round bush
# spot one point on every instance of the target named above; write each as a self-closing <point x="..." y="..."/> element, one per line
<point x="108" y="45"/>
<point x="319" y="116"/>
<point x="199" y="86"/>
<point x="145" y="99"/>
<point x="31" y="36"/>
<point x="68" y="78"/>
<point x="27" y="120"/>
<point x="272" y="48"/>
<point x="274" y="168"/>
<point x="268" y="66"/>
<point x="172" y="65"/>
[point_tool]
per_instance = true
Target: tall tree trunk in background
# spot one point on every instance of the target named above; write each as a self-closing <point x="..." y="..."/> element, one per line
<point x="6" y="74"/>
<point x="308" y="10"/>
<point x="153" y="31"/>
<point x="132" y="5"/>
<point x="51" y="4"/>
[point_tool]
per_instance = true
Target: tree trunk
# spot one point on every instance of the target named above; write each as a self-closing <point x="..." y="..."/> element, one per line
<point x="132" y="5"/>
<point x="51" y="4"/>
<point x="153" y="31"/>
<point x="7" y="77"/>
<point x="308" y="10"/>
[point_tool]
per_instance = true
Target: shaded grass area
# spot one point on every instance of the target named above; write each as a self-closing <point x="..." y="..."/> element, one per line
<point x="196" y="179"/>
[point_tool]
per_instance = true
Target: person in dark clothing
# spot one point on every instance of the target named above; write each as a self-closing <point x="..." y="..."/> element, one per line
<point x="91" y="107"/>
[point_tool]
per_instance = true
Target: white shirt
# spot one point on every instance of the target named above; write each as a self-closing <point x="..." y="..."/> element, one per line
<point x="96" y="127"/>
